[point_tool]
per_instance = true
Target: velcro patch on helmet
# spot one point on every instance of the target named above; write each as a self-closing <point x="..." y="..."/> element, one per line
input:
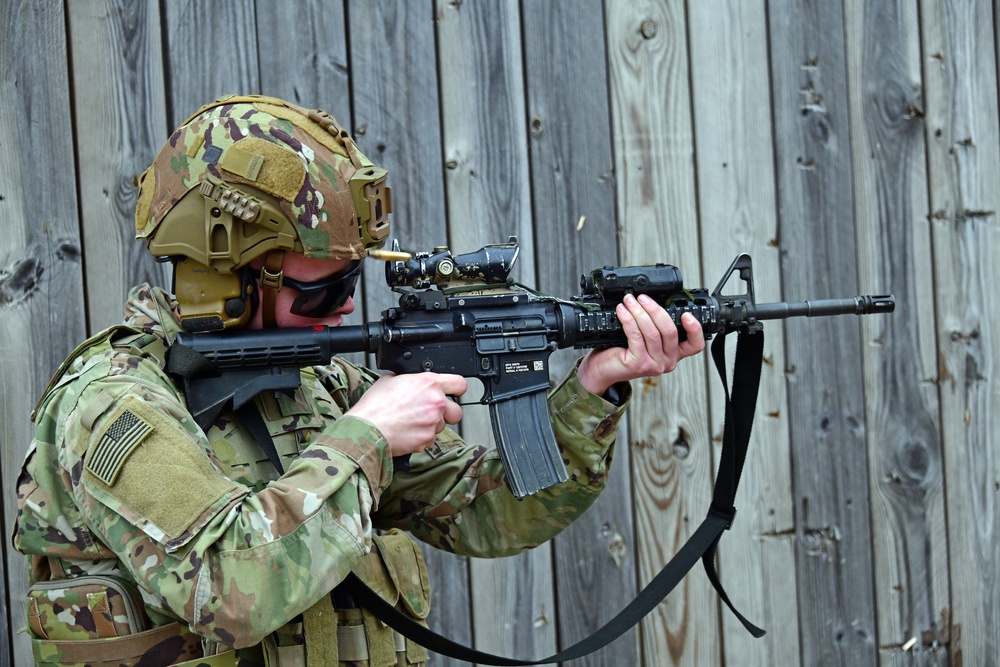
<point x="274" y="169"/>
<point x="211" y="155"/>
<point x="147" y="185"/>
<point x="242" y="163"/>
<point x="115" y="444"/>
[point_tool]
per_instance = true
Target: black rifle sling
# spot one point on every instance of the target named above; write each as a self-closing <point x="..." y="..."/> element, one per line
<point x="701" y="545"/>
<point x="735" y="441"/>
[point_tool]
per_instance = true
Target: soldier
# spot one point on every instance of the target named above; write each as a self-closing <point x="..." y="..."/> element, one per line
<point x="155" y="542"/>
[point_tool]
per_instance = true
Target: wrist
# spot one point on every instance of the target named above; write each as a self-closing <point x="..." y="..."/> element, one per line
<point x="591" y="381"/>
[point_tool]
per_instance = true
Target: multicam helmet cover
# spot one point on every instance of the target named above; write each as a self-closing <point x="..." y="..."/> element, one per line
<point x="249" y="176"/>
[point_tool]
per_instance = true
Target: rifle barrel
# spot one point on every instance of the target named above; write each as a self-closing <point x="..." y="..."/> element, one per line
<point x="858" y="305"/>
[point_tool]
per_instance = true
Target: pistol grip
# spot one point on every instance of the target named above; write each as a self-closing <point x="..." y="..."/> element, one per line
<point x="526" y="443"/>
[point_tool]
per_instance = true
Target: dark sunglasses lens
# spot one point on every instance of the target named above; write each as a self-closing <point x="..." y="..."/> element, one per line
<point x="324" y="299"/>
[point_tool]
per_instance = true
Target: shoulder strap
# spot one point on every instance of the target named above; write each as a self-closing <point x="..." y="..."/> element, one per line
<point x="254" y="422"/>
<point x="701" y="545"/>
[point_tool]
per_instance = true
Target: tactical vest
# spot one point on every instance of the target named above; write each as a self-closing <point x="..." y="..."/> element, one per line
<point x="99" y="621"/>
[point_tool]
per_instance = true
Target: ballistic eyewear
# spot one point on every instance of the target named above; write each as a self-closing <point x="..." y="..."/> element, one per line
<point x="322" y="298"/>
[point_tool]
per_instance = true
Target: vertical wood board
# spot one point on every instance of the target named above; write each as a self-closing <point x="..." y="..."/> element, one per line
<point x="573" y="204"/>
<point x="119" y="97"/>
<point x="211" y="52"/>
<point x="964" y="168"/>
<point x="393" y="65"/>
<point x="736" y="188"/>
<point x="906" y="476"/>
<point x="657" y="214"/>
<point x="487" y="193"/>
<point x="303" y="57"/>
<point x="817" y="239"/>
<point x="41" y="278"/>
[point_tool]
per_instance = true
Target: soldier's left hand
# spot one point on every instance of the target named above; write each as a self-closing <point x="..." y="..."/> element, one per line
<point x="653" y="346"/>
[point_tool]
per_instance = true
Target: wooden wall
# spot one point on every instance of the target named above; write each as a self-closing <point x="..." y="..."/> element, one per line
<point x="850" y="146"/>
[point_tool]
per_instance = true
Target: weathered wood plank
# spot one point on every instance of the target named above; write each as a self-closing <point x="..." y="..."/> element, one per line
<point x="211" y="51"/>
<point x="485" y="150"/>
<point x="41" y="278"/>
<point x="574" y="206"/>
<point x="657" y="213"/>
<point x="964" y="166"/>
<point x="303" y="55"/>
<point x="397" y="123"/>
<point x="305" y="62"/>
<point x="817" y="237"/>
<point x="906" y="477"/>
<point x="393" y="68"/>
<point x="118" y="80"/>
<point x="735" y="160"/>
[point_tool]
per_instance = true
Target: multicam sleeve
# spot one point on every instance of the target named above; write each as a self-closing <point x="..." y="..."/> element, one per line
<point x="455" y="497"/>
<point x="232" y="563"/>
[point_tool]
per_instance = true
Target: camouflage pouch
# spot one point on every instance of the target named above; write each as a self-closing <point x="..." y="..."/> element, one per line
<point x="87" y="607"/>
<point x="397" y="572"/>
<point x="395" y="569"/>
<point x="160" y="647"/>
<point x="99" y="621"/>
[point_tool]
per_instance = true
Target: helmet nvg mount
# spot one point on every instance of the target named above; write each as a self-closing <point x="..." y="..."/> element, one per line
<point x="248" y="177"/>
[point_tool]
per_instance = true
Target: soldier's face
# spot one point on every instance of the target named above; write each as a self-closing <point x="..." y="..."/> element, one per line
<point x="302" y="270"/>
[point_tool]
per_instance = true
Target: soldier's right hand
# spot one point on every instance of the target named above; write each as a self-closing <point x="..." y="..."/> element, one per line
<point x="410" y="410"/>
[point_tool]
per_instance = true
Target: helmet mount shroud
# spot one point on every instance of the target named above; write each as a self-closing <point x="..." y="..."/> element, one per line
<point x="253" y="177"/>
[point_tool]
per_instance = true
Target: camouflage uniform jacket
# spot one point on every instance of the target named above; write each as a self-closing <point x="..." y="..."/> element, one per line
<point x="120" y="480"/>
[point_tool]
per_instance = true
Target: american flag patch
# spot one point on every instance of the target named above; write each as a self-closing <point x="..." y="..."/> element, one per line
<point x="118" y="441"/>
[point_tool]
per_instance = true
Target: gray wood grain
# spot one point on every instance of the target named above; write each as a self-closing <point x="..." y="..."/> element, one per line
<point x="573" y="204"/>
<point x="817" y="237"/>
<point x="964" y="179"/>
<point x="303" y="57"/>
<point x="736" y="196"/>
<point x="396" y="123"/>
<point x="906" y="476"/>
<point x="481" y="144"/>
<point x="118" y="84"/>
<point x="485" y="149"/>
<point x="648" y="70"/>
<point x="211" y="50"/>
<point x="41" y="277"/>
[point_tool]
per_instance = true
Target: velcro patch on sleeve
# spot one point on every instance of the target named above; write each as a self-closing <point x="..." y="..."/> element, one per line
<point x="125" y="431"/>
<point x="167" y="485"/>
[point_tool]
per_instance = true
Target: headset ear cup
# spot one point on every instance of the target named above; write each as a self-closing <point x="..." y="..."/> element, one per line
<point x="241" y="308"/>
<point x="206" y="304"/>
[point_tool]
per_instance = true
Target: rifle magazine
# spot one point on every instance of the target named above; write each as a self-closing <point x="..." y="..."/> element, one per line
<point x="527" y="444"/>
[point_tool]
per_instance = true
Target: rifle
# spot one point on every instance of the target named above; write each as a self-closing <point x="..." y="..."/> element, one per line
<point x="461" y="314"/>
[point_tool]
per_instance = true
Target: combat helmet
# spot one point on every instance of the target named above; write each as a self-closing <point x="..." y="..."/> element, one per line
<point x="254" y="176"/>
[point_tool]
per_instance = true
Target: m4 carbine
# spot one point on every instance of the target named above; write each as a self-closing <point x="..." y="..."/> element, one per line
<point x="461" y="314"/>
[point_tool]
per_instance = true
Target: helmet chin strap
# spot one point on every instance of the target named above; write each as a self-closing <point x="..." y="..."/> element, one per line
<point x="271" y="277"/>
